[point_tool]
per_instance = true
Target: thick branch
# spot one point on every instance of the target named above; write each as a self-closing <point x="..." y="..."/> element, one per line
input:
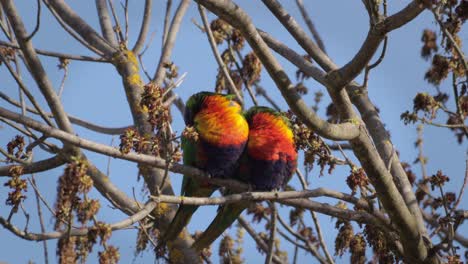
<point x="37" y="166"/>
<point x="105" y="22"/>
<point x="239" y="19"/>
<point x="262" y="196"/>
<point x="160" y="73"/>
<point x="144" y="27"/>
<point x="81" y="27"/>
<point x="57" y="54"/>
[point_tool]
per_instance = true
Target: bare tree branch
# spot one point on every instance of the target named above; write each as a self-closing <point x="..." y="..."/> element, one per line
<point x="310" y="25"/>
<point x="239" y="19"/>
<point x="232" y="87"/>
<point x="58" y="54"/>
<point x="160" y="73"/>
<point x="81" y="27"/>
<point x="145" y="25"/>
<point x="135" y="218"/>
<point x="105" y="22"/>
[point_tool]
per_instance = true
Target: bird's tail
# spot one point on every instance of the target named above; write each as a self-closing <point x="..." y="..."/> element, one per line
<point x="182" y="218"/>
<point x="225" y="217"/>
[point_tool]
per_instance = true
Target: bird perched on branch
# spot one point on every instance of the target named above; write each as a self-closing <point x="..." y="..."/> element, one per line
<point x="218" y="138"/>
<point x="268" y="163"/>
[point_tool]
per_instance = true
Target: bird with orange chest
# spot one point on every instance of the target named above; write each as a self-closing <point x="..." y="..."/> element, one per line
<point x="267" y="164"/>
<point x="222" y="135"/>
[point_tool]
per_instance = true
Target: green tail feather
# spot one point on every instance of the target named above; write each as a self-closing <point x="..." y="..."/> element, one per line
<point x="225" y="217"/>
<point x="183" y="216"/>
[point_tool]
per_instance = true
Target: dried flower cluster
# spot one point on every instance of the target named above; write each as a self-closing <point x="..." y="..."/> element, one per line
<point x="131" y="140"/>
<point x="221" y="30"/>
<point x="16" y="144"/>
<point x="429" y="38"/>
<point x="190" y="133"/>
<point x="152" y="102"/>
<point x="425" y="103"/>
<point x="228" y="251"/>
<point x="295" y="215"/>
<point x="72" y="190"/>
<point x="71" y="184"/>
<point x="357" y="178"/>
<point x="315" y="149"/>
<point x="18" y="186"/>
<point x="439" y="70"/>
<point x="438" y="180"/>
<point x="252" y="68"/>
<point x="7" y="53"/>
<point x="172" y="71"/>
<point x="379" y="243"/>
<point x="344" y="237"/>
<point x="258" y="212"/>
<point x="357" y="247"/>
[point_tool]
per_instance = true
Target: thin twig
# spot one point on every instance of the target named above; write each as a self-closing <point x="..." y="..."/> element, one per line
<point x="166" y="21"/>
<point x="41" y="220"/>
<point x="219" y="60"/>
<point x="118" y="28"/>
<point x="260" y="242"/>
<point x="38" y="21"/>
<point x="320" y="236"/>
<point x="271" y="241"/>
<point x="310" y="25"/>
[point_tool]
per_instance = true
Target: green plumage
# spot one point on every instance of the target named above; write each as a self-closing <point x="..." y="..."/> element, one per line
<point x="218" y="160"/>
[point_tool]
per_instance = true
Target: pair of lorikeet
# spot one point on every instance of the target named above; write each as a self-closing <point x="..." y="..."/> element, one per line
<point x="256" y="147"/>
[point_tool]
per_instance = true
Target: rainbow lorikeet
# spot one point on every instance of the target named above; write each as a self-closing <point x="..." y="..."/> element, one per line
<point x="267" y="163"/>
<point x="222" y="136"/>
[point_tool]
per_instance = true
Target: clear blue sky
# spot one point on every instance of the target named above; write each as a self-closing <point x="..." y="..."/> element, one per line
<point x="94" y="92"/>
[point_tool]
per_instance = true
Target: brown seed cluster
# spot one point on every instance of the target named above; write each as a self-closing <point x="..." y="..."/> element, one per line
<point x="15" y="147"/>
<point x="426" y="103"/>
<point x="152" y="102"/>
<point x="110" y="255"/>
<point x="221" y="30"/>
<point x="308" y="234"/>
<point x="344" y="237"/>
<point x="379" y="243"/>
<point x="295" y="215"/>
<point x="72" y="183"/>
<point x="258" y="212"/>
<point x="172" y="71"/>
<point x="357" y="247"/>
<point x="438" y="180"/>
<point x="429" y="38"/>
<point x="18" y="186"/>
<point x="252" y="68"/>
<point x="132" y="140"/>
<point x="439" y="70"/>
<point x="357" y="178"/>
<point x="7" y="53"/>
<point x="228" y="251"/>
<point x="237" y="40"/>
<point x="315" y="149"/>
<point x="190" y="133"/>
